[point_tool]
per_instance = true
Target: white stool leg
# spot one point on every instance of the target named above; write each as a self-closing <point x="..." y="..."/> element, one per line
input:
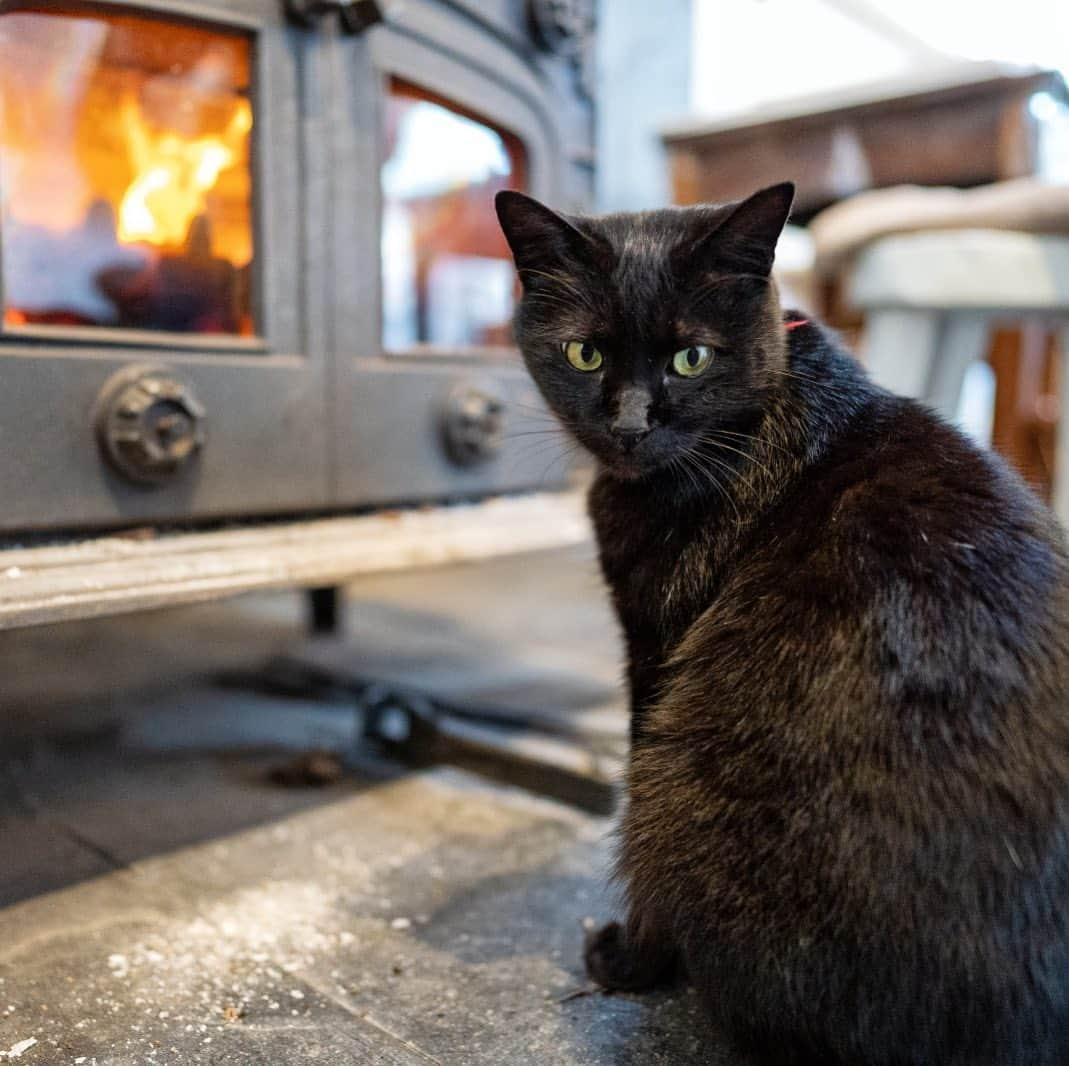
<point x="1060" y="500"/>
<point x="964" y="340"/>
<point x="900" y="349"/>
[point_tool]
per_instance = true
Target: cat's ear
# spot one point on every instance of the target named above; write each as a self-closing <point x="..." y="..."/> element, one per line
<point x="540" y="239"/>
<point x="747" y="238"/>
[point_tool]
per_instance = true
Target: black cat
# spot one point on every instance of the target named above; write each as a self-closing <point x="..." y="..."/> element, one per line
<point x="848" y="654"/>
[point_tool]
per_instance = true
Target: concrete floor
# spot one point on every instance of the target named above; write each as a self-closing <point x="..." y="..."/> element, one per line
<point x="162" y="902"/>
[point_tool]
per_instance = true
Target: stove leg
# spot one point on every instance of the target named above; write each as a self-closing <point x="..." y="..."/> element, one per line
<point x="325" y="608"/>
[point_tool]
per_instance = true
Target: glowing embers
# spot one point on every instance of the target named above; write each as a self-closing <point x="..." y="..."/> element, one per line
<point x="124" y="174"/>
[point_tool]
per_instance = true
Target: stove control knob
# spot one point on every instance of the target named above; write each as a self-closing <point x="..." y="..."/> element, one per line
<point x="150" y="425"/>
<point x="473" y="423"/>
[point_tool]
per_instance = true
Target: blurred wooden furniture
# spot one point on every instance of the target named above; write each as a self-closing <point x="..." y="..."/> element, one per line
<point x="931" y="300"/>
<point x="963" y="134"/>
<point x="1028" y="366"/>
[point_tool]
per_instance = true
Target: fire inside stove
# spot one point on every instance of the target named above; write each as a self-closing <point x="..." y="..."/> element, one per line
<point x="125" y="182"/>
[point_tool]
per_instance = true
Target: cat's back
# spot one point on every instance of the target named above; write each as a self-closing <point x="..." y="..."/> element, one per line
<point x="910" y="539"/>
<point x="915" y="498"/>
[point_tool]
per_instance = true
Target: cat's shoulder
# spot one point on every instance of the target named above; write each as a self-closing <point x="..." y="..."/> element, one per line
<point x="911" y="492"/>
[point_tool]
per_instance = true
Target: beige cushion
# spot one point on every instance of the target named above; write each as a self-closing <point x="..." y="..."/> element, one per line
<point x="1025" y="205"/>
<point x="978" y="270"/>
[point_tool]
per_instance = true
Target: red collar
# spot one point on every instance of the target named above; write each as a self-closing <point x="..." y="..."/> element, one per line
<point x="796" y="323"/>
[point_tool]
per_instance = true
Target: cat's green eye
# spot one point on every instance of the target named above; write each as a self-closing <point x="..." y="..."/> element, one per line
<point x="582" y="355"/>
<point x="692" y="361"/>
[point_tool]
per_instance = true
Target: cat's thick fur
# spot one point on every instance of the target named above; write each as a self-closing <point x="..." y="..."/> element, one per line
<point x="848" y="642"/>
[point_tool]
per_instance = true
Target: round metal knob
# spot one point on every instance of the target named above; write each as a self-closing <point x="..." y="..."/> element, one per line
<point x="473" y="423"/>
<point x="150" y="425"/>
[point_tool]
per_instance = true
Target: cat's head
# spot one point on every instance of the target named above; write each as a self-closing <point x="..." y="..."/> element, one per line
<point x="648" y="332"/>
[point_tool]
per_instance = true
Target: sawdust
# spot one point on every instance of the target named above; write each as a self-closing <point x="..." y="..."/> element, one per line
<point x="203" y="974"/>
<point x="16" y="1051"/>
<point x="284" y="925"/>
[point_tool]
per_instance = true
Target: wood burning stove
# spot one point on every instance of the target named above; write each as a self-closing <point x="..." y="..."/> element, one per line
<point x="248" y="256"/>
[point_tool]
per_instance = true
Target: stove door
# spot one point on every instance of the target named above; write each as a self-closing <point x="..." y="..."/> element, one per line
<point x="433" y="400"/>
<point x="163" y="342"/>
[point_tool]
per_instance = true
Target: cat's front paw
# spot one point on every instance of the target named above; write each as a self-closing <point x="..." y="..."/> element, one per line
<point x="615" y="963"/>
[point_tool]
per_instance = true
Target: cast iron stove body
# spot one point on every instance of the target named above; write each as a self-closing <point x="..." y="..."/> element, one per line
<point x="248" y="258"/>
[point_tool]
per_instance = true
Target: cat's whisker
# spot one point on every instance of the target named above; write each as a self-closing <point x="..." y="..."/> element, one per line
<point x="542" y="414"/>
<point x="536" y="431"/>
<point x="549" y="298"/>
<point x="565" y="456"/>
<point x="676" y="463"/>
<point x="732" y="475"/>
<point x="811" y="380"/>
<point x="552" y="301"/>
<point x="557" y="279"/>
<point x="535" y="408"/>
<point x="548" y="431"/>
<point x="538" y="425"/>
<point x="536" y="454"/>
<point x="697" y="450"/>
<point x="738" y="451"/>
<point x="697" y="460"/>
<point x="529" y="451"/>
<point x="707" y="287"/>
<point x="687" y="466"/>
<point x="755" y="439"/>
<point x="792" y="372"/>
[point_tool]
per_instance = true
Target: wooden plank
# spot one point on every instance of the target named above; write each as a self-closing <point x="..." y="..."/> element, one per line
<point x="112" y="575"/>
<point x="806" y="112"/>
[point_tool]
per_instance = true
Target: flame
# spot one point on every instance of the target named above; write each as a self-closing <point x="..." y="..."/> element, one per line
<point x="175" y="174"/>
<point x="125" y="185"/>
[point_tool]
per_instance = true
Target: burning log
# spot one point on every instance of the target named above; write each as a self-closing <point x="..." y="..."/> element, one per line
<point x="194" y="292"/>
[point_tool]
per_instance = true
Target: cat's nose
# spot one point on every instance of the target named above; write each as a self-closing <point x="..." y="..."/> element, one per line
<point x="629" y="439"/>
<point x="631" y="423"/>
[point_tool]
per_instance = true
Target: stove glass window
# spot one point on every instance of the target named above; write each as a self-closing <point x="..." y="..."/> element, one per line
<point x="125" y="184"/>
<point x="447" y="276"/>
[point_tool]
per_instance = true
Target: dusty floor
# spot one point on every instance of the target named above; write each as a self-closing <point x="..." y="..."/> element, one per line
<point x="161" y="901"/>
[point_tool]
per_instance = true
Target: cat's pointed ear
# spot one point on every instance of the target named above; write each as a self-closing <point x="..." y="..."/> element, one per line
<point x="747" y="238"/>
<point x="540" y="239"/>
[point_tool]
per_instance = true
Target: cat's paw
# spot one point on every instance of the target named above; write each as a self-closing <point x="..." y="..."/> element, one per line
<point x="614" y="963"/>
<point x="605" y="955"/>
